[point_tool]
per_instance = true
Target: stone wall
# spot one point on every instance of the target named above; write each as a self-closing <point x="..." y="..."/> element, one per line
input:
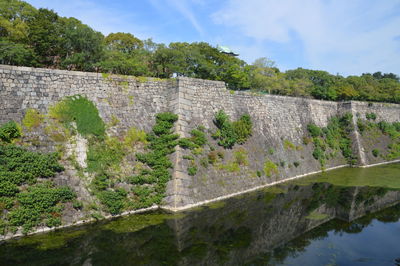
<point x="277" y="122"/>
<point x="131" y="100"/>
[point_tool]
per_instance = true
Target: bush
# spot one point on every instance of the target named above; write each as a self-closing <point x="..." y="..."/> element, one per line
<point x="114" y="200"/>
<point x="314" y="130"/>
<point x="192" y="170"/>
<point x="212" y="157"/>
<point x="296" y="164"/>
<point x="10" y="131"/>
<point x="82" y="112"/>
<point x="38" y="202"/>
<point x="20" y="165"/>
<point x="270" y="168"/>
<point x="240" y="156"/>
<point x="375" y="152"/>
<point x="335" y="136"/>
<point x="243" y="129"/>
<point x="32" y="119"/>
<point x="134" y="136"/>
<point x="8" y="189"/>
<point x="161" y="143"/>
<point x="370" y="116"/>
<point x="288" y="145"/>
<point x="229" y="133"/>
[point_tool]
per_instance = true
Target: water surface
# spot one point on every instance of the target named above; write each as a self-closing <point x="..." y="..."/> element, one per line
<point x="343" y="217"/>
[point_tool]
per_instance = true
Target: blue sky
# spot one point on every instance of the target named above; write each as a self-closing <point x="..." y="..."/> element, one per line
<point x="339" y="36"/>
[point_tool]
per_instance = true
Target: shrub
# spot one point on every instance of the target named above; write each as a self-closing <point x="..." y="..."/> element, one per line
<point x="32" y="119"/>
<point x="10" y="131"/>
<point x="38" y="202"/>
<point x="240" y="156"/>
<point x="259" y="173"/>
<point x="8" y="189"/>
<point x="204" y="162"/>
<point x="370" y="116"/>
<point x="82" y="112"/>
<point x="229" y="133"/>
<point x="161" y="143"/>
<point x="314" y="130"/>
<point x="296" y="164"/>
<point x="335" y="136"/>
<point x="361" y="125"/>
<point x="212" y="157"/>
<point x="288" y="145"/>
<point x="270" y="168"/>
<point x="134" y="136"/>
<point x="114" y="200"/>
<point x="102" y="155"/>
<point x="192" y="170"/>
<point x="243" y="129"/>
<point x="375" y="152"/>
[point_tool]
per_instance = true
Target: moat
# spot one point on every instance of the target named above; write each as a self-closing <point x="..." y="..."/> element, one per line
<point x="349" y="216"/>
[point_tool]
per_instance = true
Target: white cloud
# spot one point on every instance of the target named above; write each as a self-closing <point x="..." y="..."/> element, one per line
<point x="184" y="7"/>
<point x="349" y="37"/>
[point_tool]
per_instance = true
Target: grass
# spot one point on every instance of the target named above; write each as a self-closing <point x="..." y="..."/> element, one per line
<point x="316" y="216"/>
<point x="270" y="168"/>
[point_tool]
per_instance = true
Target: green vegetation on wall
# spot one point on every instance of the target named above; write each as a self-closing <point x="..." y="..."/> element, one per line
<point x="32" y="119"/>
<point x="373" y="130"/>
<point x="10" y="131"/>
<point x="333" y="138"/>
<point x="81" y="111"/>
<point x="152" y="179"/>
<point x="27" y="199"/>
<point x="230" y="133"/>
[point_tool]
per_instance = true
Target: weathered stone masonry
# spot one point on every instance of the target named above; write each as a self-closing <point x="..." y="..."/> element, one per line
<point x="135" y="101"/>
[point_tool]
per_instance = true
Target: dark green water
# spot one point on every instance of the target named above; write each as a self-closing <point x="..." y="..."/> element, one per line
<point x="343" y="217"/>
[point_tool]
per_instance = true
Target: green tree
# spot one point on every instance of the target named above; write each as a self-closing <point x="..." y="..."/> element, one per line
<point x="81" y="47"/>
<point x="44" y="35"/>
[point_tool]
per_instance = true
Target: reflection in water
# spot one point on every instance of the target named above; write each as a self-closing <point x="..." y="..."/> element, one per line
<point x="303" y="222"/>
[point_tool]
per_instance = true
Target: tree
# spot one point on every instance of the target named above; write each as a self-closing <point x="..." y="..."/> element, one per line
<point x="82" y="47"/>
<point x="44" y="35"/>
<point x="16" y="54"/>
<point x="123" y="42"/>
<point x="14" y="16"/>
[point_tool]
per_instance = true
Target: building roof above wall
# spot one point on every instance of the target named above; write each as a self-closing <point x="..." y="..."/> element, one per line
<point x="226" y="50"/>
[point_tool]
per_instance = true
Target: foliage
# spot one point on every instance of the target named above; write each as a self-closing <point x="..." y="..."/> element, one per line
<point x="370" y="116"/>
<point x="192" y="170"/>
<point x="79" y="110"/>
<point x="314" y="130"/>
<point x="19" y="165"/>
<point x="198" y="139"/>
<point x="32" y="119"/>
<point x="270" y="168"/>
<point x="114" y="200"/>
<point x="162" y="142"/>
<point x="10" y="131"/>
<point x="104" y="154"/>
<point x="40" y="37"/>
<point x="336" y="136"/>
<point x="375" y="152"/>
<point x="240" y="156"/>
<point x="37" y="204"/>
<point x="229" y="133"/>
<point x="288" y="145"/>
<point x="134" y="136"/>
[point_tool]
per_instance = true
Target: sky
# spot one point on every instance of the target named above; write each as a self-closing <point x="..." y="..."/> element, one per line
<point x="346" y="37"/>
